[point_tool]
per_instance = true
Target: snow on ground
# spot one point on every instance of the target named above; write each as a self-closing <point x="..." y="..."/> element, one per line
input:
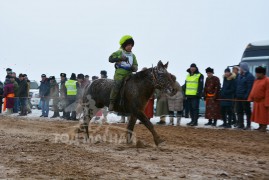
<point x="114" y="118"/>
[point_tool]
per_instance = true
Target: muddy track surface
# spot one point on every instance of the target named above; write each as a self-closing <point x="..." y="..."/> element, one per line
<point x="41" y="149"/>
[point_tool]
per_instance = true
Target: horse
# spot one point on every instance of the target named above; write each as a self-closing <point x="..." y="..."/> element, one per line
<point x="132" y="99"/>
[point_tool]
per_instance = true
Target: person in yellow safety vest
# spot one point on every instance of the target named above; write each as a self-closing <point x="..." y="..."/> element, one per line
<point x="193" y="87"/>
<point x="71" y="94"/>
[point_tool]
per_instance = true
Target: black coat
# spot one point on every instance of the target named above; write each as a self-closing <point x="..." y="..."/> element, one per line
<point x="23" y="89"/>
<point x="244" y="85"/>
<point x="44" y="88"/>
<point x="228" y="90"/>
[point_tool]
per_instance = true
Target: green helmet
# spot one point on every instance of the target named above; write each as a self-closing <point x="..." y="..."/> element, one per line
<point x="124" y="39"/>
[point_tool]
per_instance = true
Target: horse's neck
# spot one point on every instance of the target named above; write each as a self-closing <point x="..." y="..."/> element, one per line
<point x="149" y="84"/>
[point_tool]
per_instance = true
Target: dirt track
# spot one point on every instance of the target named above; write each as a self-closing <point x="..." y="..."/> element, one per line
<point x="38" y="149"/>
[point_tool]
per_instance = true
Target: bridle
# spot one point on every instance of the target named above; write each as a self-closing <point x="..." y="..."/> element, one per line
<point x="155" y="79"/>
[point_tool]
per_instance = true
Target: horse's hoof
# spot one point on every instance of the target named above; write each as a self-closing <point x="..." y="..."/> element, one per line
<point x="160" y="142"/>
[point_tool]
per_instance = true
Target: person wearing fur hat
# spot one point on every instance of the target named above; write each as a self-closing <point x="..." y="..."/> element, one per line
<point x="71" y="90"/>
<point x="193" y="88"/>
<point x="63" y="94"/>
<point x="23" y="95"/>
<point x="54" y="95"/>
<point x="244" y="85"/>
<point x="9" y="94"/>
<point x="103" y="74"/>
<point x="260" y="96"/>
<point x="81" y="85"/>
<point x="227" y="92"/>
<point x="44" y="92"/>
<point x="125" y="63"/>
<point x="211" y="94"/>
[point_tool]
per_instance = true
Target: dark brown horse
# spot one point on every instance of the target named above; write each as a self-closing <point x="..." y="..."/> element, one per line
<point x="132" y="100"/>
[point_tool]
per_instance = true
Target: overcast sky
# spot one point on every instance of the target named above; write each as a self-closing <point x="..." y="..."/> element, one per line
<point x="54" y="36"/>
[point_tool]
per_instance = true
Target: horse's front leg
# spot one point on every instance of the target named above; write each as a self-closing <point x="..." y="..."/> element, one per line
<point x="86" y="121"/>
<point x="130" y="129"/>
<point x="143" y="118"/>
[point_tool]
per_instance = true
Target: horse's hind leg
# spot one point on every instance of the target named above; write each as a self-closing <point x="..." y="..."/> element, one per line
<point x="142" y="117"/>
<point x="130" y="129"/>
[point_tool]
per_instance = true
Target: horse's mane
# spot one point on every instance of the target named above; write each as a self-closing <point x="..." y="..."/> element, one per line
<point x="142" y="74"/>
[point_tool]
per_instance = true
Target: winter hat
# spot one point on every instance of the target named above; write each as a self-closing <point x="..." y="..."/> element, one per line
<point x="73" y="76"/>
<point x="94" y="78"/>
<point x="193" y="65"/>
<point x="43" y="75"/>
<point x="236" y="67"/>
<point x="125" y="40"/>
<point x="63" y="75"/>
<point x="8" y="69"/>
<point x="209" y="70"/>
<point x="80" y="76"/>
<point x="104" y="73"/>
<point x="260" y="70"/>
<point x="52" y="77"/>
<point x="227" y="70"/>
<point x="21" y="75"/>
<point x="244" y="66"/>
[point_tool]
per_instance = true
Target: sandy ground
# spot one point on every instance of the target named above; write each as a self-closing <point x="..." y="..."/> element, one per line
<point x="40" y="149"/>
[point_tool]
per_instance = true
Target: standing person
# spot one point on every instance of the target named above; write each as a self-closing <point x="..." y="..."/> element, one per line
<point x="94" y="78"/>
<point x="125" y="63"/>
<point x="227" y="92"/>
<point x="103" y="74"/>
<point x="87" y="79"/>
<point x="211" y="94"/>
<point x="9" y="94"/>
<point x="29" y="105"/>
<point x="54" y="95"/>
<point x="63" y="94"/>
<point x="175" y="104"/>
<point x="162" y="106"/>
<point x="23" y="95"/>
<point x="1" y="95"/>
<point x="16" y="88"/>
<point x="9" y="71"/>
<point x="71" y="90"/>
<point x="244" y="85"/>
<point x="44" y="92"/>
<point x="235" y="71"/>
<point x="260" y="96"/>
<point x="194" y="85"/>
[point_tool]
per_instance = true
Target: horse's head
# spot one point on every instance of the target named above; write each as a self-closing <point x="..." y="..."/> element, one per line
<point x="162" y="79"/>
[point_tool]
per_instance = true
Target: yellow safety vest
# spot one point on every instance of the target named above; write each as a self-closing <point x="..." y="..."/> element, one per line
<point x="192" y="83"/>
<point x="71" y="87"/>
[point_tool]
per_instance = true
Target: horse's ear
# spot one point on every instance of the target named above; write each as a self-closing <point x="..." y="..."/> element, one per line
<point x="166" y="65"/>
<point x="160" y="64"/>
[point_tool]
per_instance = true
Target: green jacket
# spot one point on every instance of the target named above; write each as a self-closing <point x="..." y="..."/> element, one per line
<point x="123" y="68"/>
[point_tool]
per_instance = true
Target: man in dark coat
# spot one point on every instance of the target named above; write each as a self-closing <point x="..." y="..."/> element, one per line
<point x="235" y="71"/>
<point x="63" y="94"/>
<point x="23" y="95"/>
<point x="44" y="92"/>
<point x="194" y="85"/>
<point x="17" y="100"/>
<point x="211" y="94"/>
<point x="227" y="92"/>
<point x="244" y="85"/>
